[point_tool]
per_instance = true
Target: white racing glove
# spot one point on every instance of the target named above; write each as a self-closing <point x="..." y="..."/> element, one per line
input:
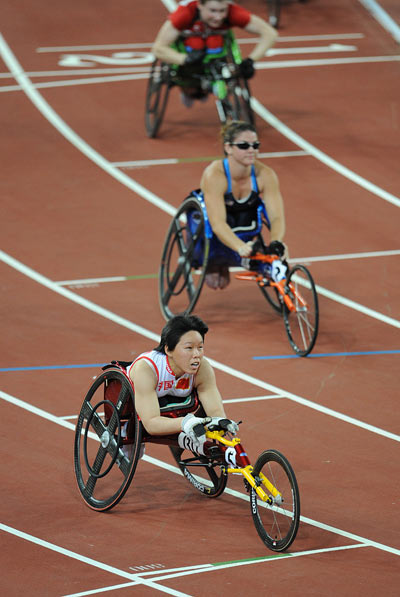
<point x="225" y="424"/>
<point x="194" y="427"/>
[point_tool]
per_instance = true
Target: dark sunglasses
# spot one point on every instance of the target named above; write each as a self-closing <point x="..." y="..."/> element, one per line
<point x="244" y="145"/>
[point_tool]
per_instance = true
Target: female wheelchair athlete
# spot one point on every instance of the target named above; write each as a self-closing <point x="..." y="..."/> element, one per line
<point x="218" y="75"/>
<point x="108" y="442"/>
<point x="190" y="246"/>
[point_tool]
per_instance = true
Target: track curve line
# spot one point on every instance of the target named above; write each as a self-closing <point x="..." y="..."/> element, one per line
<point x="106" y="313"/>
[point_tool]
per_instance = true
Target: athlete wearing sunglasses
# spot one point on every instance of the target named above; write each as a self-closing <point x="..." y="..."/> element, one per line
<point x="233" y="190"/>
<point x="244" y="145"/>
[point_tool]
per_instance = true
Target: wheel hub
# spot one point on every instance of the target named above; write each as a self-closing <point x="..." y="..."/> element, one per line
<point x="105" y="439"/>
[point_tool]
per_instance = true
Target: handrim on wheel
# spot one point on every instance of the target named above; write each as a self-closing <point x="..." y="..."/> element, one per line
<point x="276" y="522"/>
<point x="302" y="324"/>
<point x="184" y="260"/>
<point x="104" y="460"/>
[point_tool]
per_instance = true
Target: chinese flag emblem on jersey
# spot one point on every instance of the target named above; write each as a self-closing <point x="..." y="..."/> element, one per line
<point x="183" y="384"/>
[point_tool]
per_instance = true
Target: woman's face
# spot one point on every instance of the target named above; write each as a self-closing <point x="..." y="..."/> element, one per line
<point x="247" y="154"/>
<point x="187" y="354"/>
<point x="213" y="12"/>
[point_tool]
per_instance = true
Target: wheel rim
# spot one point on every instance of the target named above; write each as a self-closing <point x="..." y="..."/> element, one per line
<point x="302" y="324"/>
<point x="156" y="97"/>
<point x="184" y="261"/>
<point x="276" y="523"/>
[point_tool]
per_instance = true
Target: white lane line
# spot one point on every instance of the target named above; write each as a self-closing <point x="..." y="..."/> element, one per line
<point x="248" y="40"/>
<point x="173" y="469"/>
<point x="72" y="82"/>
<point x="341" y="257"/>
<point x="90" y="561"/>
<point x="298" y="38"/>
<point x="190" y="570"/>
<point x="174" y="161"/>
<point x="383" y="18"/>
<point x="82" y="71"/>
<point x="356" y="306"/>
<point x="48" y="112"/>
<point x="311" y="50"/>
<point x="324" y="62"/>
<point x="321" y="156"/>
<point x="305" y="260"/>
<point x="27" y="271"/>
<point x="78" y="142"/>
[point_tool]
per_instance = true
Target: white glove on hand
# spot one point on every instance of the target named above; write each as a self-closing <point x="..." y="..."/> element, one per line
<point x="194" y="426"/>
<point x="225" y="424"/>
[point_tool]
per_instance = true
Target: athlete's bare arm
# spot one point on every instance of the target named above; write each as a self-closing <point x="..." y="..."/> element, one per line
<point x="161" y="47"/>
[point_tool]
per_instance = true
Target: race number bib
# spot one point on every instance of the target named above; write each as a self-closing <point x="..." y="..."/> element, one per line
<point x="278" y="271"/>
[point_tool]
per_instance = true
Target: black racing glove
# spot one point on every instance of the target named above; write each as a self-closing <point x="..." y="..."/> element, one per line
<point x="194" y="57"/>
<point x="246" y="68"/>
<point x="277" y="248"/>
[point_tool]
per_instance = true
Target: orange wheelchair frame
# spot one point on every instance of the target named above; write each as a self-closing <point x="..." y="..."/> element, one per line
<point x="182" y="274"/>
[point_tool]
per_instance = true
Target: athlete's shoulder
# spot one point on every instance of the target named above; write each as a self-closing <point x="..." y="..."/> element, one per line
<point x="184" y="15"/>
<point x="238" y="15"/>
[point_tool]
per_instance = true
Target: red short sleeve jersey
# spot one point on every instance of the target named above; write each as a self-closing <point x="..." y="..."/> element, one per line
<point x="184" y="17"/>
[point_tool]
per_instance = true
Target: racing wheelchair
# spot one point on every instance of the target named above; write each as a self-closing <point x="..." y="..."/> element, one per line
<point x="274" y="11"/>
<point x="218" y="75"/>
<point x="190" y="246"/>
<point x="108" y="442"/>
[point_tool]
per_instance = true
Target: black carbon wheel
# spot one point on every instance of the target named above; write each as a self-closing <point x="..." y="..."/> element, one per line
<point x="184" y="260"/>
<point x="107" y="441"/>
<point x="156" y="96"/>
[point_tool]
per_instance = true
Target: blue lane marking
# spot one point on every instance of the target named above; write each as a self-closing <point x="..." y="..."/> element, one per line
<point x="326" y="354"/>
<point x="47" y="367"/>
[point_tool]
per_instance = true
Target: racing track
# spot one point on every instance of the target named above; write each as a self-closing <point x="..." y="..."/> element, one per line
<point x="86" y="200"/>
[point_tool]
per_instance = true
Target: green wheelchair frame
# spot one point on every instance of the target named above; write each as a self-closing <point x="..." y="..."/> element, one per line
<point x="218" y="75"/>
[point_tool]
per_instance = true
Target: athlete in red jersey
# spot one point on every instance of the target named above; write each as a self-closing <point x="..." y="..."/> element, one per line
<point x="204" y="17"/>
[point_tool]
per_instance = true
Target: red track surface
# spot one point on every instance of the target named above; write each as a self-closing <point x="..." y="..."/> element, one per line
<point x="68" y="219"/>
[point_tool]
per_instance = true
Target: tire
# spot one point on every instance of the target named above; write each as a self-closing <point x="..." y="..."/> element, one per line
<point x="276" y="524"/>
<point x="241" y="97"/>
<point x="184" y="260"/>
<point x="104" y="460"/>
<point x="157" y="96"/>
<point x="212" y="487"/>
<point x="302" y="324"/>
<point x="274" y="12"/>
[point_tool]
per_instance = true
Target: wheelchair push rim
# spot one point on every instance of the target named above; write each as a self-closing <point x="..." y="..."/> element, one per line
<point x="107" y="441"/>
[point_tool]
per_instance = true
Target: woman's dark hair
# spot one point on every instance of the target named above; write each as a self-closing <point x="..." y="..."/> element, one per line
<point x="173" y="331"/>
